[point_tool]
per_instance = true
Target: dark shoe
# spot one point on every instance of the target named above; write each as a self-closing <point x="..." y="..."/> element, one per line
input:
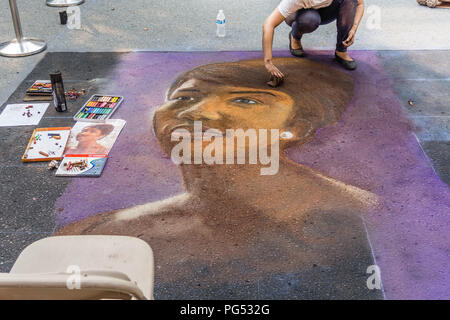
<point x="349" y="65"/>
<point x="295" y="52"/>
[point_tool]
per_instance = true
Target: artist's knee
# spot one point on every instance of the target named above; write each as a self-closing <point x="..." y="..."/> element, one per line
<point x="350" y="3"/>
<point x="308" y="21"/>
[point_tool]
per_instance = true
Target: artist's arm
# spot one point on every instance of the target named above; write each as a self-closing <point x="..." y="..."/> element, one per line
<point x="269" y="26"/>
<point x="358" y="16"/>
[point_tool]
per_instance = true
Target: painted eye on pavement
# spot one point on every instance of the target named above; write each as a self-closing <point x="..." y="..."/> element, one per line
<point x="245" y="101"/>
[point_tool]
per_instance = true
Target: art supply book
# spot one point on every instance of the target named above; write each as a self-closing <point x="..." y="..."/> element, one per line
<point x="46" y="144"/>
<point x="86" y="165"/>
<point x="94" y="138"/>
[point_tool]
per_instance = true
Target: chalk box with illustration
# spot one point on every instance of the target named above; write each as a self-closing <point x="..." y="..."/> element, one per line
<point x="89" y="165"/>
<point x="40" y="88"/>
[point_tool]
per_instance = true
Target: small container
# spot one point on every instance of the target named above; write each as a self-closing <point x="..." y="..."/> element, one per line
<point x="59" y="97"/>
<point x="63" y="17"/>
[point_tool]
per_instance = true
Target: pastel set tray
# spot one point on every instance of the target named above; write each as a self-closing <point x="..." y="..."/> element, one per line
<point x="99" y="107"/>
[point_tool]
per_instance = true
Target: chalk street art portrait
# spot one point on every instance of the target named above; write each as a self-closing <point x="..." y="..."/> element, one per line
<point x="234" y="232"/>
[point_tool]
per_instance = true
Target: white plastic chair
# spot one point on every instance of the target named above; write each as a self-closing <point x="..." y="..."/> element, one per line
<point x="81" y="268"/>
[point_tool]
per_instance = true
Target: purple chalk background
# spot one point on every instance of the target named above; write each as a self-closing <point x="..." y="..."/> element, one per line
<point x="372" y="147"/>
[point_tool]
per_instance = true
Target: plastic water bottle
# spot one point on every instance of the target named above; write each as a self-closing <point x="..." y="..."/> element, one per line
<point x="220" y="22"/>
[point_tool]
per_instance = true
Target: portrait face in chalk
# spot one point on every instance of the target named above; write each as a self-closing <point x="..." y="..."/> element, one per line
<point x="94" y="133"/>
<point x="222" y="231"/>
<point x="235" y="96"/>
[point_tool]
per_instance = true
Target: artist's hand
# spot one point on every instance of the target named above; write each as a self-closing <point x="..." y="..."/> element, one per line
<point x="350" y="39"/>
<point x="274" y="71"/>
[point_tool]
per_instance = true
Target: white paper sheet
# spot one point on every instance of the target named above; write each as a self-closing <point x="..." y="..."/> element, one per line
<point x="16" y="114"/>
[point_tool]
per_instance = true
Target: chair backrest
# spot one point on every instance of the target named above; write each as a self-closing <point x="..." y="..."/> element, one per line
<point x="88" y="285"/>
<point x="66" y="254"/>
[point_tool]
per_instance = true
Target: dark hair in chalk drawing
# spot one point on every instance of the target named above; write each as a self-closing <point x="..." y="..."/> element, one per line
<point x="320" y="93"/>
<point x="105" y="129"/>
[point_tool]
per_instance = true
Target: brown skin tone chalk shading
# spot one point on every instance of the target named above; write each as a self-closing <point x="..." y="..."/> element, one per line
<point x="232" y="212"/>
<point x="275" y="81"/>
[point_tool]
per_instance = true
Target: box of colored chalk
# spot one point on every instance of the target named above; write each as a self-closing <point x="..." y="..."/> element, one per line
<point x="98" y="108"/>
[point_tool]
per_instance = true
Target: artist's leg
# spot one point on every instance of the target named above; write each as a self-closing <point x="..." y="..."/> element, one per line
<point x="345" y="20"/>
<point x="306" y="21"/>
<point x="344" y="12"/>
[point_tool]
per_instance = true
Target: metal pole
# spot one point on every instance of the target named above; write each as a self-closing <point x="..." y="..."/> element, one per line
<point x="64" y="3"/>
<point x="20" y="47"/>
<point x="16" y="19"/>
